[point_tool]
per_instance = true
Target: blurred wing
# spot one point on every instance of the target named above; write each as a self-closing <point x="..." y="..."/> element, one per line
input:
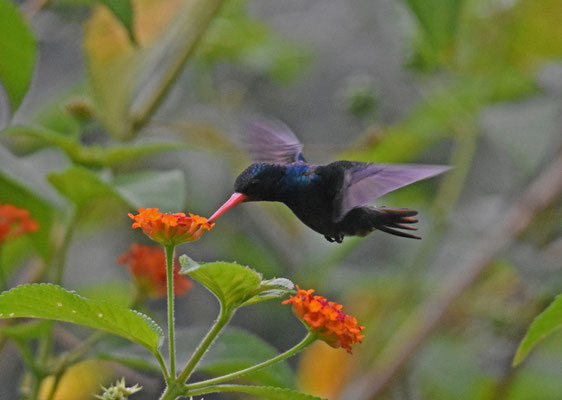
<point x="365" y="182"/>
<point x="273" y="142"/>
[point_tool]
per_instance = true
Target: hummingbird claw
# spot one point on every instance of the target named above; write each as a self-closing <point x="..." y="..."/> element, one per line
<point x="337" y="239"/>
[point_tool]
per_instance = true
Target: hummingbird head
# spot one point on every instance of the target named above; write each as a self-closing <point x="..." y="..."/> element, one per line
<point x="258" y="182"/>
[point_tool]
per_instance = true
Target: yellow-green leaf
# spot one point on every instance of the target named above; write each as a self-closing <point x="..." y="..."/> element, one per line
<point x="53" y="302"/>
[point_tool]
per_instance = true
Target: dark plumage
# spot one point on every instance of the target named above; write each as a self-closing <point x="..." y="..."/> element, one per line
<point x="330" y="199"/>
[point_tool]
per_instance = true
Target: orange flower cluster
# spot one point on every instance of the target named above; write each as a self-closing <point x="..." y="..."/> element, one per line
<point x="148" y="265"/>
<point x="326" y="319"/>
<point x="15" y="222"/>
<point x="170" y="229"/>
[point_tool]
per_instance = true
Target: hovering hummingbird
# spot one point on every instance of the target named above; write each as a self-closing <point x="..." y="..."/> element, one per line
<point x="331" y="199"/>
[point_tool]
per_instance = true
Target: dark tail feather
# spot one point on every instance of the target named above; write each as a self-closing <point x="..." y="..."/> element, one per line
<point x="386" y="219"/>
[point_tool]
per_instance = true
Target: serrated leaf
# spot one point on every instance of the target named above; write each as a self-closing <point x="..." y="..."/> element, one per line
<point x="53" y="302"/>
<point x="234" y="285"/>
<point x="18" y="49"/>
<point x="544" y="324"/>
<point x="265" y="392"/>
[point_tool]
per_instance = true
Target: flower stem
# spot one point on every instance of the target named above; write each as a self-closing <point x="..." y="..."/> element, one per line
<point x="171" y="328"/>
<point x="309" y="339"/>
<point x="220" y="323"/>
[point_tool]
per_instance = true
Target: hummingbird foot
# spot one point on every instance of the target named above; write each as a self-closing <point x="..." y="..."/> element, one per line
<point x="337" y="239"/>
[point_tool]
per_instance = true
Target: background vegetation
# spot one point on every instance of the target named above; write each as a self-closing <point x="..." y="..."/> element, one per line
<point x="113" y="105"/>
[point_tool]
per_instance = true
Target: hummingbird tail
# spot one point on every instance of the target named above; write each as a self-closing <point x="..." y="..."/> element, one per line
<point x="390" y="219"/>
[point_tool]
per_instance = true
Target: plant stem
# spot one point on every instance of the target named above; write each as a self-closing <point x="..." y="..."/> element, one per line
<point x="192" y="24"/>
<point x="540" y="193"/>
<point x="163" y="366"/>
<point x="61" y="258"/>
<point x="309" y="339"/>
<point x="171" y="328"/>
<point x="72" y="357"/>
<point x="220" y="323"/>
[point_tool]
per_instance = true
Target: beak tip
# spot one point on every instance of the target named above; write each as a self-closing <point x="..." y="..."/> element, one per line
<point x="235" y="199"/>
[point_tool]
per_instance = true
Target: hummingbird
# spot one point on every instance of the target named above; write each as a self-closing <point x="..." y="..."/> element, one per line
<point x="331" y="199"/>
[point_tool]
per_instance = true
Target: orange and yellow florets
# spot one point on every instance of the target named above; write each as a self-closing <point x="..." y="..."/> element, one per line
<point x="170" y="229"/>
<point x="326" y="319"/>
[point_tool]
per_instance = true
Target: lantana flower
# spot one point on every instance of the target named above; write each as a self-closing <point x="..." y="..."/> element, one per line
<point x="326" y="319"/>
<point x="148" y="265"/>
<point x="170" y="229"/>
<point x="15" y="222"/>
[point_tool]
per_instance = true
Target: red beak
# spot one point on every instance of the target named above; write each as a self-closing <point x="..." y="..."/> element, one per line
<point x="235" y="199"/>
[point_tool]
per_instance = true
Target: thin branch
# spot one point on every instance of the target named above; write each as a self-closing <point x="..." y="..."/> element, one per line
<point x="540" y="193"/>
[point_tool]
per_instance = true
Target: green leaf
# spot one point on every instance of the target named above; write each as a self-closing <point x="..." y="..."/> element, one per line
<point x="128" y="82"/>
<point x="116" y="292"/>
<point x="235" y="285"/>
<point x="544" y="324"/>
<point x="123" y="11"/>
<point x="264" y="392"/>
<point x="252" y="44"/>
<point x="18" y="49"/>
<point x="22" y="187"/>
<point x="81" y="186"/>
<point x="96" y="200"/>
<point x="147" y="189"/>
<point x="92" y="155"/>
<point x="438" y="22"/>
<point x="236" y="350"/>
<point x="53" y="302"/>
<point x="131" y="362"/>
<point x="27" y="330"/>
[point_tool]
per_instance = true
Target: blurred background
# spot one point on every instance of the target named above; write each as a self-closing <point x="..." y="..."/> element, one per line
<point x="146" y="109"/>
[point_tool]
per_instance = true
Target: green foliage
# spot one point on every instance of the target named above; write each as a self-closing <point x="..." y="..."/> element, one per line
<point x="18" y="49"/>
<point x="90" y="156"/>
<point x="237" y="37"/>
<point x="266" y="392"/>
<point x="128" y="82"/>
<point x="235" y="285"/>
<point x="545" y="324"/>
<point x="458" y="360"/>
<point x="81" y="186"/>
<point x="53" y="302"/>
<point x="30" y="196"/>
<point x="144" y="189"/>
<point x="236" y="349"/>
<point x="86" y="188"/>
<point x="438" y="23"/>
<point x="27" y="330"/>
<point x="123" y="11"/>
